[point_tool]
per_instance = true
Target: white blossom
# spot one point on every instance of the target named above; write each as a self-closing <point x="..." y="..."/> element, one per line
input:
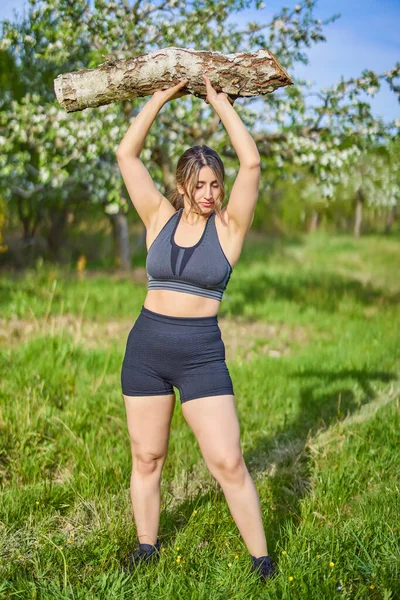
<point x="112" y="209"/>
<point x="279" y="24"/>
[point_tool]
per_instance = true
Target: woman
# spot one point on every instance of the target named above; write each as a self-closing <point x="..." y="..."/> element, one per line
<point x="176" y="340"/>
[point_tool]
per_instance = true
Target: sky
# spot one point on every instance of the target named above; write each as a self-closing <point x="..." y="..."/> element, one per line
<point x="366" y="36"/>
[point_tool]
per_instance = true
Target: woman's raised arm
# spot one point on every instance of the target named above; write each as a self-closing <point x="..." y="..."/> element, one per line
<point x="242" y="201"/>
<point x="145" y="196"/>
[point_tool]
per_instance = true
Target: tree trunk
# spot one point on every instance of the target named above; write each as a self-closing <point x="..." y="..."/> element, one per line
<point x="313" y="224"/>
<point x="122" y="255"/>
<point x="161" y="157"/>
<point x="55" y="235"/>
<point x="27" y="217"/>
<point x="238" y="75"/>
<point x="359" y="212"/>
<point x="390" y="219"/>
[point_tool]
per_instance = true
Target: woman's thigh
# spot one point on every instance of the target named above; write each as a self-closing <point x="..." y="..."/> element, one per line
<point x="215" y="424"/>
<point x="149" y="421"/>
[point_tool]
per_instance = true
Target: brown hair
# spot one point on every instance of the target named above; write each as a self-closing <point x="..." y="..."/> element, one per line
<point x="187" y="175"/>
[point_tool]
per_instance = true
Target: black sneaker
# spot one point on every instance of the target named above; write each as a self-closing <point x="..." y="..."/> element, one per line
<point x="264" y="566"/>
<point x="143" y="555"/>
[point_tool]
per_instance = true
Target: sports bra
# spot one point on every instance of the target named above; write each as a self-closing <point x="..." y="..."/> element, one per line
<point x="202" y="269"/>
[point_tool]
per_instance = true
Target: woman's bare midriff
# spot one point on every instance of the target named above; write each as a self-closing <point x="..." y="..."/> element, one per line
<point x="179" y="304"/>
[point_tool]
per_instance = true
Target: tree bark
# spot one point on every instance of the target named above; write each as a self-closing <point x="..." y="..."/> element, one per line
<point x="390" y="219"/>
<point x="313" y="224"/>
<point x="238" y="75"/>
<point x="122" y="255"/>
<point x="55" y="235"/>
<point x="163" y="160"/>
<point x="27" y="215"/>
<point x="359" y="211"/>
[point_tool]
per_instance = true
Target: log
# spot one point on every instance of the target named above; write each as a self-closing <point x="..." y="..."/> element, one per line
<point x="243" y="74"/>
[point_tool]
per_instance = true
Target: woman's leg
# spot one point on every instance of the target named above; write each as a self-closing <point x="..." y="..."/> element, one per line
<point x="215" y="424"/>
<point x="149" y="421"/>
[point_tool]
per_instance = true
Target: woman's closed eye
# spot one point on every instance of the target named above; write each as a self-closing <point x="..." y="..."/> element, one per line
<point x="198" y="186"/>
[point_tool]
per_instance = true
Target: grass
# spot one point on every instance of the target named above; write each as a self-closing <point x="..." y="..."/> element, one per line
<point x="317" y="392"/>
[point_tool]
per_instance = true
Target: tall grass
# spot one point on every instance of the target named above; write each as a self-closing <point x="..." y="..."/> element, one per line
<point x="318" y="402"/>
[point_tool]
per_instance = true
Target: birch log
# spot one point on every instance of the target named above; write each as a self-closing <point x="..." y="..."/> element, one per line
<point x="238" y="75"/>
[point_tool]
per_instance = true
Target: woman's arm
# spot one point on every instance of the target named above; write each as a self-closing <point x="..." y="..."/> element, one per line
<point x="242" y="201"/>
<point x="145" y="196"/>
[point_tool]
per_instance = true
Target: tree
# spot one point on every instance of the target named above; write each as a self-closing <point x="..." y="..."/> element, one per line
<point x="51" y="161"/>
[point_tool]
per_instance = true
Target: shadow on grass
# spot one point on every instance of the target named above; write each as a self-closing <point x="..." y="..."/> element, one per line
<point x="323" y="291"/>
<point x="325" y="397"/>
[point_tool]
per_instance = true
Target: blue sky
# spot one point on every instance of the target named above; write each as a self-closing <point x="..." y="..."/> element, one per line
<point x="365" y="36"/>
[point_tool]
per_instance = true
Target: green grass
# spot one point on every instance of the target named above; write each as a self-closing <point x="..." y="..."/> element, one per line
<point x="319" y="423"/>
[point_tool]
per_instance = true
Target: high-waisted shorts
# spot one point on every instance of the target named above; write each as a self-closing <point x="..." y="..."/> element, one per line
<point x="185" y="352"/>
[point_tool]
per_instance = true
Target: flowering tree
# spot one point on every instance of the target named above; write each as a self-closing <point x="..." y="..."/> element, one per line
<point x="372" y="180"/>
<point x="51" y="162"/>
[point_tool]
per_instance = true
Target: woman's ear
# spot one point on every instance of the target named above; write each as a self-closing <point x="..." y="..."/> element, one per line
<point x="180" y="189"/>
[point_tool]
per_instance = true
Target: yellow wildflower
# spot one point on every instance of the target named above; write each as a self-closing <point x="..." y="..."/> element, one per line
<point x="284" y="552"/>
<point x="236" y="556"/>
<point x="331" y="564"/>
<point x="372" y="587"/>
<point x="37" y="502"/>
<point x="290" y="578"/>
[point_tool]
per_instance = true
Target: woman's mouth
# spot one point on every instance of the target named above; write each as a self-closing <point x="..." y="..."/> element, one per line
<point x="206" y="203"/>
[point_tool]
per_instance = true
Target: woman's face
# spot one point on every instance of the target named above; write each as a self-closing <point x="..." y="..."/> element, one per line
<point x="207" y="190"/>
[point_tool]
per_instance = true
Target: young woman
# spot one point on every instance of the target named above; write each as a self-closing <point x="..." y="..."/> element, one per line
<point x="193" y="244"/>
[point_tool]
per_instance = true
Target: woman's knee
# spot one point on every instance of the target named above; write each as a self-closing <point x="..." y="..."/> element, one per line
<point x="147" y="462"/>
<point x="229" y="469"/>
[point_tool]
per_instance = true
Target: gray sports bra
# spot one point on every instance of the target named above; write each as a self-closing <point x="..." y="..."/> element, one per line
<point x="202" y="269"/>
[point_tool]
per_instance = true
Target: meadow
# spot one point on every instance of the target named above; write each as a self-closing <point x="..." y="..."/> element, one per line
<point x="312" y="333"/>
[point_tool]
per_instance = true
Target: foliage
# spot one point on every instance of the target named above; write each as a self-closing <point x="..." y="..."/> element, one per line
<point x="3" y="248"/>
<point x="50" y="161"/>
<point x="377" y="172"/>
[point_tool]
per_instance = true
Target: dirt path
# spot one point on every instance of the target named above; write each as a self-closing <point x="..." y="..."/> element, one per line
<point x="244" y="339"/>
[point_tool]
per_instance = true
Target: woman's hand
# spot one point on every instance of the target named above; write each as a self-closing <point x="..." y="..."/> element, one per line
<point x="171" y="93"/>
<point x="213" y="96"/>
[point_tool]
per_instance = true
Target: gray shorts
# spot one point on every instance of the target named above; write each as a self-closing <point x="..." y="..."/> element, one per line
<point x="163" y="352"/>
